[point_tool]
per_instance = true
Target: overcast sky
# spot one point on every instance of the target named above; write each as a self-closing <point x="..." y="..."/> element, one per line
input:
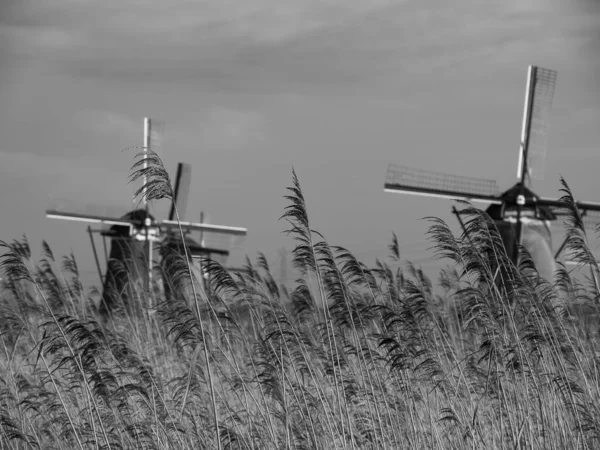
<point x="247" y="89"/>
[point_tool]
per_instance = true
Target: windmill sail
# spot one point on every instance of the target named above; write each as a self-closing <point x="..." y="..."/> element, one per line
<point x="183" y="182"/>
<point x="402" y="179"/>
<point x="157" y="136"/>
<point x="78" y="217"/>
<point x="206" y="227"/>
<point x="152" y="142"/>
<point x="70" y="206"/>
<point x="591" y="221"/>
<point x="538" y="103"/>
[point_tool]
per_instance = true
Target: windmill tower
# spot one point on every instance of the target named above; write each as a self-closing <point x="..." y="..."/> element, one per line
<point x="134" y="235"/>
<point x="521" y="216"/>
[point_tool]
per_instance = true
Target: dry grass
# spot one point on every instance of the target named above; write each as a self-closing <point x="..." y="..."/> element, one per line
<point x="351" y="357"/>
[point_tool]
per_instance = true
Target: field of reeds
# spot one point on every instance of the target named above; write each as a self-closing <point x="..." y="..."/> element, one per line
<point x="489" y="356"/>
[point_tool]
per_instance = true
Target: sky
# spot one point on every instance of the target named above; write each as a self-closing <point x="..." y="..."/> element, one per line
<point x="336" y="89"/>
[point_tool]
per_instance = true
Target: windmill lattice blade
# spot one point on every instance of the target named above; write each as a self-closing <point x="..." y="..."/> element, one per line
<point x="544" y="82"/>
<point x="54" y="214"/>
<point x="78" y="206"/>
<point x="590" y="216"/>
<point x="559" y="208"/>
<point x="194" y="226"/>
<point x="157" y="136"/>
<point x="591" y="221"/>
<point x="153" y="141"/>
<point x="183" y="181"/>
<point x="436" y="184"/>
<point x="222" y="241"/>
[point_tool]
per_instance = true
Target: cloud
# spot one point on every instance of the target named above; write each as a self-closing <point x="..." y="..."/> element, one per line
<point x="127" y="32"/>
<point x="229" y="45"/>
<point x="101" y="22"/>
<point x="61" y="176"/>
<point x="258" y="46"/>
<point x="273" y="48"/>
<point x="34" y="40"/>
<point x="108" y="123"/>
<point x="230" y="128"/>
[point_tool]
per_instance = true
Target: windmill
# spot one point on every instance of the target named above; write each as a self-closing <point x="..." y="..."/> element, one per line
<point x="521" y="216"/>
<point x="134" y="235"/>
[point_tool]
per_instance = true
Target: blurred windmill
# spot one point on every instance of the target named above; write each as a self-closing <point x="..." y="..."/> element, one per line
<point x="134" y="235"/>
<point x="521" y="216"/>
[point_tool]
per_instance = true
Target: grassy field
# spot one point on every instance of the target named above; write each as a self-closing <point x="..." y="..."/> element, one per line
<point x="350" y="357"/>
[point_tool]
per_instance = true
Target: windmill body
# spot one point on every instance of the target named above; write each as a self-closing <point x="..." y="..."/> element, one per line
<point x="133" y="236"/>
<point x="127" y="262"/>
<point x="535" y="233"/>
<point x="521" y="216"/>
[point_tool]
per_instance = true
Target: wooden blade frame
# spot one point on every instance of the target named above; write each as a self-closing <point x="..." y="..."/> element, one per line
<point x="406" y="180"/>
<point x="187" y="226"/>
<point x="590" y="213"/>
<point x="539" y="95"/>
<point x="209" y="250"/>
<point x="54" y="214"/>
<point x="182" y="191"/>
<point x="559" y="207"/>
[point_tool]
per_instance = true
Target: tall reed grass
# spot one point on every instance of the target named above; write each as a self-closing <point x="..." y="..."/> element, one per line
<point x="351" y="357"/>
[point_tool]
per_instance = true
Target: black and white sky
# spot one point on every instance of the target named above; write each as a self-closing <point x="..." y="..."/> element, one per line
<point x="249" y="88"/>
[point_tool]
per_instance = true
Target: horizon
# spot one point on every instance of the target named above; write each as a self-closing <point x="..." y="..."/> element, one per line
<point x="246" y="92"/>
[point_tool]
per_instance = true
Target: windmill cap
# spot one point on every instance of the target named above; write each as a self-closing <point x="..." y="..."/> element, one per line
<point x="513" y="197"/>
<point x="137" y="217"/>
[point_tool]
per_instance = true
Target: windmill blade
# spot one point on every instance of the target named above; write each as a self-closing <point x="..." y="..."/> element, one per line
<point x="104" y="215"/>
<point x="54" y="214"/>
<point x="590" y="213"/>
<point x="587" y="207"/>
<point x="218" y="246"/>
<point x="569" y="257"/>
<point x="194" y="226"/>
<point x="86" y="207"/>
<point x="219" y="242"/>
<point x="591" y="220"/>
<point x="153" y="141"/>
<point x="591" y="223"/>
<point x="405" y="180"/>
<point x="212" y="251"/>
<point x="157" y="136"/>
<point x="560" y="209"/>
<point x="214" y="244"/>
<point x="571" y="262"/>
<point x="209" y="244"/>
<point x="538" y="103"/>
<point x="183" y="181"/>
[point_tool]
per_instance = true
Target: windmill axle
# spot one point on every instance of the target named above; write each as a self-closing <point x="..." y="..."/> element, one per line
<point x="149" y="234"/>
